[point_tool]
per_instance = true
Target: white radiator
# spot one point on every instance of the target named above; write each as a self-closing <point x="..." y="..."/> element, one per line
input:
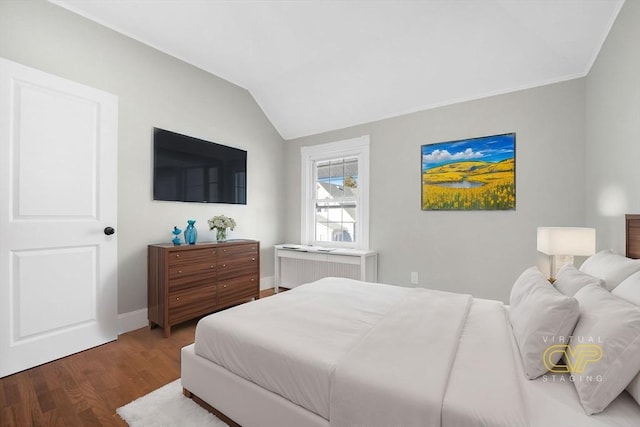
<point x="295" y="266"/>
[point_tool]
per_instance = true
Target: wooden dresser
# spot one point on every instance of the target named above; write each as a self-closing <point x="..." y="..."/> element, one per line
<point x="188" y="281"/>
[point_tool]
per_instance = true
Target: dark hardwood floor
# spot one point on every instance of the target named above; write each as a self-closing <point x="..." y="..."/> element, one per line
<point x="85" y="389"/>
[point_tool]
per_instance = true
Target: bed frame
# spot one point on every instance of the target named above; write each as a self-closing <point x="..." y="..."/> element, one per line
<point x="632" y="231"/>
<point x="241" y="402"/>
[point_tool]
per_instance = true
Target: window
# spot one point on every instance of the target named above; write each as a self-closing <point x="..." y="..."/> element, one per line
<point x="335" y="193"/>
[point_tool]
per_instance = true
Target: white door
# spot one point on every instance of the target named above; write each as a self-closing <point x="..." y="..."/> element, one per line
<point x="58" y="268"/>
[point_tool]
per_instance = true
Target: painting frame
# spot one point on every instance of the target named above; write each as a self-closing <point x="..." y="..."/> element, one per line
<point x="471" y="174"/>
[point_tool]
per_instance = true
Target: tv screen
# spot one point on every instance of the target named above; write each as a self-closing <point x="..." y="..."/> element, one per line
<point x="187" y="169"/>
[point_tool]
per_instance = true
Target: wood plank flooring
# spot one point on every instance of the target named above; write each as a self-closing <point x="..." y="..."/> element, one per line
<point x="85" y="389"/>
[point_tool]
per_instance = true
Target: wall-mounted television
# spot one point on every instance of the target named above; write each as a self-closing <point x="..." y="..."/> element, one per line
<point x="188" y="169"/>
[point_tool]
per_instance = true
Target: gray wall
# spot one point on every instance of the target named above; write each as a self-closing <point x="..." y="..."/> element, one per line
<point x="613" y="130"/>
<point x="557" y="173"/>
<point x="154" y="89"/>
<point x="477" y="252"/>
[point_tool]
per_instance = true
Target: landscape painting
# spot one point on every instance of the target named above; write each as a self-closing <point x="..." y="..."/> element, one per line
<point x="470" y="174"/>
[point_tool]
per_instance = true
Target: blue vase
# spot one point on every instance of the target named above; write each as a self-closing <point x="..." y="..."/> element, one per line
<point x="176" y="236"/>
<point x="190" y="233"/>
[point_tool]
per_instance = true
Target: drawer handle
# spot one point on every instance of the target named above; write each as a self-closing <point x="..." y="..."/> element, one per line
<point x="253" y="259"/>
<point x="224" y="286"/>
<point x="224" y="250"/>
<point x="211" y="266"/>
<point x="177" y="298"/>
<point x="179" y="271"/>
<point x="224" y="265"/>
<point x="177" y="255"/>
<point x="253" y="280"/>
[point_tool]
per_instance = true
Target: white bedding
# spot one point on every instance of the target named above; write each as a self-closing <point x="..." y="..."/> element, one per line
<point x="263" y="341"/>
<point x="397" y="374"/>
<point x="484" y="388"/>
<point x="363" y="354"/>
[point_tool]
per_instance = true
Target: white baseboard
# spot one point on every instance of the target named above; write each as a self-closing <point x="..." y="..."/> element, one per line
<point x="133" y="320"/>
<point x="267" y="282"/>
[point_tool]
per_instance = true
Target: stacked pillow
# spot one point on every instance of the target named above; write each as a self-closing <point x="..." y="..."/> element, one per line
<point x="540" y="316"/>
<point x="613" y="325"/>
<point x="579" y="306"/>
<point x="610" y="267"/>
<point x="570" y="280"/>
<point x="629" y="290"/>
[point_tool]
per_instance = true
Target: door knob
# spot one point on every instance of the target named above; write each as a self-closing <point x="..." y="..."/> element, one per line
<point x="109" y="231"/>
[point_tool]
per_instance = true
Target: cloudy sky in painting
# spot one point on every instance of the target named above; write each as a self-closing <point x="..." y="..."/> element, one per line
<point x="487" y="149"/>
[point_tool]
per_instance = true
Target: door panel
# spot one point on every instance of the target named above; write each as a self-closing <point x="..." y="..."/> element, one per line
<point x="58" y="176"/>
<point x="55" y="145"/>
<point x="42" y="309"/>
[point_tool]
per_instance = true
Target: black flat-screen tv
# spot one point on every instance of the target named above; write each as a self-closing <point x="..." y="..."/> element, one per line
<point x="188" y="169"/>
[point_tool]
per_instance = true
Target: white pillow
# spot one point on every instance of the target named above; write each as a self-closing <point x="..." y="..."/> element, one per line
<point x="614" y="325"/>
<point x="570" y="280"/>
<point x="524" y="283"/>
<point x="634" y="388"/>
<point x="540" y="316"/>
<point x="629" y="290"/>
<point x="610" y="267"/>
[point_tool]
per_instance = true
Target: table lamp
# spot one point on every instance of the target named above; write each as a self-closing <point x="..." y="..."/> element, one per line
<point x="563" y="243"/>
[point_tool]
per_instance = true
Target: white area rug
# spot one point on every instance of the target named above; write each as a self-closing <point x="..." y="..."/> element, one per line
<point x="167" y="407"/>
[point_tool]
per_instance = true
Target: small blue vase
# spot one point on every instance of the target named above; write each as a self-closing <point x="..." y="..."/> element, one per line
<point x="176" y="236"/>
<point x="190" y="233"/>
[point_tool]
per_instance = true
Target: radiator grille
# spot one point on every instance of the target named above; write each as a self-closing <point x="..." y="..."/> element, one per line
<point x="295" y="271"/>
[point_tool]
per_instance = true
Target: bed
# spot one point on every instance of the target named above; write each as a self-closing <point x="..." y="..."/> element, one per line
<point x="340" y="352"/>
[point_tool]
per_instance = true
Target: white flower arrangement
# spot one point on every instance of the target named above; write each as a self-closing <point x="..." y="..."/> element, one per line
<point x="221" y="222"/>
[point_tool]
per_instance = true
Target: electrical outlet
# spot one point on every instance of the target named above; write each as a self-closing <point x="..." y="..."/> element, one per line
<point x="414" y="277"/>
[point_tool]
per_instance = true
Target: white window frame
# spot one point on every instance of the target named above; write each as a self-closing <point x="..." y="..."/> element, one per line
<point x="355" y="147"/>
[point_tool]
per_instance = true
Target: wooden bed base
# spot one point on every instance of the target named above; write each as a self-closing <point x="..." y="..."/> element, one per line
<point x="210" y="408"/>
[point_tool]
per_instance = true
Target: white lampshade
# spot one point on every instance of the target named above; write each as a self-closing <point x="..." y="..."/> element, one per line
<point x="579" y="241"/>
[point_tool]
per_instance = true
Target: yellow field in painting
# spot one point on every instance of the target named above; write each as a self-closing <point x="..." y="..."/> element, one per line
<point x="498" y="191"/>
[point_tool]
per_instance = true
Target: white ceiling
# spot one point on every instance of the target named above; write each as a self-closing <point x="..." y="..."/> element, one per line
<point x="320" y="65"/>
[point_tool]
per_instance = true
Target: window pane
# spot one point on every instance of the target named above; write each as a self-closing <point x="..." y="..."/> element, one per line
<point x="323" y="180"/>
<point x="322" y="191"/>
<point x="335" y="221"/>
<point x="351" y="178"/>
<point x="322" y="232"/>
<point x="341" y="232"/>
<point x="337" y="179"/>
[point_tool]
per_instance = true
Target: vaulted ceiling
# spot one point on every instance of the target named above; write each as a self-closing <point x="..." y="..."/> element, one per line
<point x="320" y="65"/>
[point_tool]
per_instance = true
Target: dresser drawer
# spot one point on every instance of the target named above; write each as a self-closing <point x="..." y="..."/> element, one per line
<point x="183" y="283"/>
<point x="237" y="289"/>
<point x="237" y="266"/>
<point x="191" y="302"/>
<point x="238" y="250"/>
<point x="184" y="269"/>
<point x="194" y="256"/>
